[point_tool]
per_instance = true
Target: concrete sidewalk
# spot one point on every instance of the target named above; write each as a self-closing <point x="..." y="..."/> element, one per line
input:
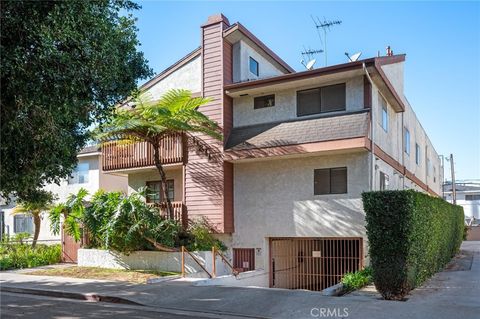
<point x="446" y="295"/>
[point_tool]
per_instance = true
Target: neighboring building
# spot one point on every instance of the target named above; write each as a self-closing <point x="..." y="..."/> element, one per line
<point x="468" y="196"/>
<point x="284" y="187"/>
<point x="88" y="174"/>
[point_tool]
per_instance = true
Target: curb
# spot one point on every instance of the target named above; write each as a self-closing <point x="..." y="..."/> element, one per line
<point x="70" y="295"/>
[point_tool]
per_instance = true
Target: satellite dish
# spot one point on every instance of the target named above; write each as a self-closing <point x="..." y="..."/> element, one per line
<point x="310" y="64"/>
<point x="355" y="57"/>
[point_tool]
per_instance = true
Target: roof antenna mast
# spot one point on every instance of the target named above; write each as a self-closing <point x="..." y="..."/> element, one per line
<point x="325" y="26"/>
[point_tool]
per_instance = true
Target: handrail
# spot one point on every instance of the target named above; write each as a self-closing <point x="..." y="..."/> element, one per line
<point x="184" y="250"/>
<point x="224" y="259"/>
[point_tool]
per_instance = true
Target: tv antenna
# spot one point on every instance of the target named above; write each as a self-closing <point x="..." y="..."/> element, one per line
<point x="325" y="26"/>
<point x="309" y="55"/>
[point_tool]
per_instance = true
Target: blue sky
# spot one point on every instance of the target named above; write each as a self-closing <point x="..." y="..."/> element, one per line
<point x="441" y="40"/>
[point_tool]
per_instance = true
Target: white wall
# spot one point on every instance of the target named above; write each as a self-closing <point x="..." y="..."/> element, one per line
<point x="274" y="198"/>
<point x="241" y="63"/>
<point x="286" y="104"/>
<point x="187" y="77"/>
<point x="138" y="180"/>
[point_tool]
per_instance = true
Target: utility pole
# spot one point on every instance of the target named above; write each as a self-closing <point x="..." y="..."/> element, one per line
<point x="454" y="191"/>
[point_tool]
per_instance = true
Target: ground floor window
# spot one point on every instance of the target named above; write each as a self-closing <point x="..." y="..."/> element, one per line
<point x="383" y="181"/>
<point x="155" y="194"/>
<point x="23" y="224"/>
<point x="244" y="259"/>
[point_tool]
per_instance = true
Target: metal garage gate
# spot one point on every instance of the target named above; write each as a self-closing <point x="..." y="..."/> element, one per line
<point x="313" y="263"/>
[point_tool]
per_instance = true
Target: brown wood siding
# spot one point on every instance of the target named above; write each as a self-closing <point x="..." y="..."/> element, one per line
<point x="207" y="189"/>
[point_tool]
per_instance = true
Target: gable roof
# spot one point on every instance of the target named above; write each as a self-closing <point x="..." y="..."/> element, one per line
<point x="177" y="65"/>
<point x="239" y="27"/>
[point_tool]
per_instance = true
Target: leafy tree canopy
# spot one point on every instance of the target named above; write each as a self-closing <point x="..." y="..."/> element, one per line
<point x="64" y="65"/>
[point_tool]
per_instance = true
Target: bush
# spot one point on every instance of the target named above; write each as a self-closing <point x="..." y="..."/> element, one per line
<point x="202" y="238"/>
<point x="411" y="236"/>
<point x="354" y="281"/>
<point x="18" y="255"/>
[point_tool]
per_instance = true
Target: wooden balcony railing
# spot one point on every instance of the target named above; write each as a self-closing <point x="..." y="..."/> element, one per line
<point x="179" y="211"/>
<point x="122" y="156"/>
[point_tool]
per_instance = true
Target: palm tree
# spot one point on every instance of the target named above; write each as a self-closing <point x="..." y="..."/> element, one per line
<point x="33" y="205"/>
<point x="72" y="212"/>
<point x="153" y="120"/>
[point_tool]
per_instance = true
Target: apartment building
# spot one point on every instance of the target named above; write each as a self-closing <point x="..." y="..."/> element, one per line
<point x="88" y="174"/>
<point x="283" y="188"/>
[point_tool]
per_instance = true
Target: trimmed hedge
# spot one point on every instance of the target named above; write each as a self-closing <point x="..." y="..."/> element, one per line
<point x="411" y="236"/>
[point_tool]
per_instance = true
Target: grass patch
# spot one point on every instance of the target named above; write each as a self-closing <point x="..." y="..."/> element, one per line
<point x="357" y="280"/>
<point x="134" y="276"/>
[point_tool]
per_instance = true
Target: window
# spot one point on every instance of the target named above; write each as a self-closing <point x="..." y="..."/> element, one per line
<point x="434" y="174"/>
<point x="472" y="197"/>
<point x="253" y="66"/>
<point x="429" y="167"/>
<point x="330" y="181"/>
<point x="23" y="224"/>
<point x="383" y="181"/>
<point x="417" y="154"/>
<point x="407" y="141"/>
<point x="155" y="194"/>
<point x="264" y="101"/>
<point x="80" y="174"/>
<point x="325" y="99"/>
<point x="383" y="104"/>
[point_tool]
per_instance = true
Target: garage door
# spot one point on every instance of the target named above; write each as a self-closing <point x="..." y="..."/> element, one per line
<point x="313" y="263"/>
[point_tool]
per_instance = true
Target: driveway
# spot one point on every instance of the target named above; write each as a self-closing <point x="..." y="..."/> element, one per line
<point x="448" y="294"/>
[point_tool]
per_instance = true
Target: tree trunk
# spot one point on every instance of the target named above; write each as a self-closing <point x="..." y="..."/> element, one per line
<point x="159" y="246"/>
<point x="163" y="179"/>
<point x="36" y="222"/>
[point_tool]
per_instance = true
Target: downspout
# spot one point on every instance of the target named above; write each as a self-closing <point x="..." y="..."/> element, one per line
<point x="372" y="135"/>
<point x="402" y="151"/>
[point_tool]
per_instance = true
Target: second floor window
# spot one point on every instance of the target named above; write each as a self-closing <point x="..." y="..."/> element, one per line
<point x="80" y="174"/>
<point x="384" y="119"/>
<point x="155" y="194"/>
<point x="263" y="101"/>
<point x="330" y="181"/>
<point x="253" y="64"/>
<point x="417" y="154"/>
<point x="407" y="141"/>
<point x="319" y="100"/>
<point x="472" y="197"/>
<point x="23" y="224"/>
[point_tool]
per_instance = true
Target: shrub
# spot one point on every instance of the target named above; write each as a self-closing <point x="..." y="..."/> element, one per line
<point x="354" y="281"/>
<point x="19" y="255"/>
<point x="202" y="238"/>
<point x="411" y="236"/>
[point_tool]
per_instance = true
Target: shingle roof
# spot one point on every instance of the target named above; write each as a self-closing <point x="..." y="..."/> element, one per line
<point x="299" y="131"/>
<point x="90" y="149"/>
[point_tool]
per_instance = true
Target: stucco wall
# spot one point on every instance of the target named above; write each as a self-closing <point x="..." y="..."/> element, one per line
<point x="151" y="260"/>
<point x="138" y="180"/>
<point x="392" y="141"/>
<point x="286" y="105"/>
<point x="187" y="77"/>
<point x="241" y="67"/>
<point x="274" y="198"/>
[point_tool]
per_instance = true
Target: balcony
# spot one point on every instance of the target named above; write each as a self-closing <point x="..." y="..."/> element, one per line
<point x="179" y="211"/>
<point x="118" y="156"/>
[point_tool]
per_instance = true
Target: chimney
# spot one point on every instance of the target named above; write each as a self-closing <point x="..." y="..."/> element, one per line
<point x="389" y="51"/>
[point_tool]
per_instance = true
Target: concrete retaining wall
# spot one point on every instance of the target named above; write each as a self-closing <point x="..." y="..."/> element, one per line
<point x="254" y="278"/>
<point x="151" y="260"/>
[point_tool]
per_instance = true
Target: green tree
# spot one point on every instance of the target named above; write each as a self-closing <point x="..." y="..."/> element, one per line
<point x="153" y="120"/>
<point x="72" y="212"/>
<point x="64" y="65"/>
<point x="37" y="202"/>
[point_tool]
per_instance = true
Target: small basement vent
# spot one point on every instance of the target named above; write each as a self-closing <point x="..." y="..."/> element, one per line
<point x="313" y="263"/>
<point x="244" y="259"/>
